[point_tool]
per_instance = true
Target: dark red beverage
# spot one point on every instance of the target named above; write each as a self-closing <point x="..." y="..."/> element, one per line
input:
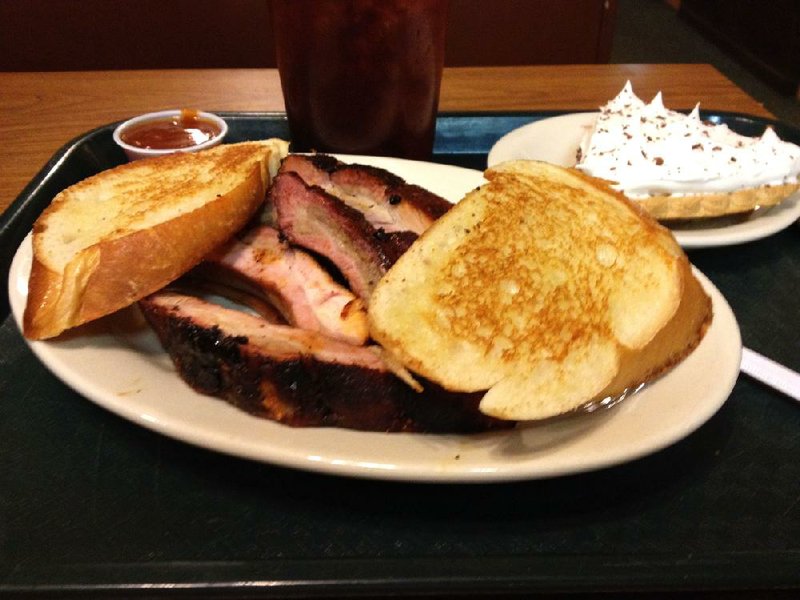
<point x="361" y="76"/>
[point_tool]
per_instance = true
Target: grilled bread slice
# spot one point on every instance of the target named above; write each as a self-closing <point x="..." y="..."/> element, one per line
<point x="115" y="237"/>
<point x="544" y="287"/>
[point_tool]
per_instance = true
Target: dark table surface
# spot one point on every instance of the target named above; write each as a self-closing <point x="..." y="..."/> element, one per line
<point x="94" y="505"/>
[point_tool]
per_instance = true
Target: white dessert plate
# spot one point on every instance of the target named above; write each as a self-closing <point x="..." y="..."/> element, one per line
<point x="556" y="140"/>
<point x="118" y="363"/>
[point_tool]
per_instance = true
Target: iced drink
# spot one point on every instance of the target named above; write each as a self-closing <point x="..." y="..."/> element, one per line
<point x="361" y="76"/>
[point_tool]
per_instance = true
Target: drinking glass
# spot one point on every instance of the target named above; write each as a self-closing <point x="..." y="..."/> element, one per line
<point x="361" y="76"/>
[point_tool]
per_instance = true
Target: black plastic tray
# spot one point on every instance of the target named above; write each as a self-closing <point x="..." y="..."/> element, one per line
<point x="94" y="505"/>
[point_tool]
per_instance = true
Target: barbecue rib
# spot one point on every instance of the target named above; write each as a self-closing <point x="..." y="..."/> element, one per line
<point x="304" y="293"/>
<point x="386" y="200"/>
<point x="298" y="377"/>
<point x="314" y="219"/>
<point x="305" y="361"/>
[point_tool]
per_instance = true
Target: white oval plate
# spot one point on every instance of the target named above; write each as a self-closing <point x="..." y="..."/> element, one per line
<point x="556" y="140"/>
<point x="118" y="363"/>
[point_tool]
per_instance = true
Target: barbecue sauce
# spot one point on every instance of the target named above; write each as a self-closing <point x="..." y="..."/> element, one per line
<point x="171" y="133"/>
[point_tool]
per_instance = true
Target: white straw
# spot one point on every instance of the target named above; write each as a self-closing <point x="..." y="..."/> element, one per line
<point x="773" y="374"/>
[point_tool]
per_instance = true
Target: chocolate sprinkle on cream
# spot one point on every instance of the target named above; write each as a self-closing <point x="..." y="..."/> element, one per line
<point x="691" y="156"/>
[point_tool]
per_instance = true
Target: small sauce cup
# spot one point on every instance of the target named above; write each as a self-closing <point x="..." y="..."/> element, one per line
<point x="169" y="131"/>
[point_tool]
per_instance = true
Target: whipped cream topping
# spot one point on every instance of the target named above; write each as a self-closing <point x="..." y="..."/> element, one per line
<point x="647" y="149"/>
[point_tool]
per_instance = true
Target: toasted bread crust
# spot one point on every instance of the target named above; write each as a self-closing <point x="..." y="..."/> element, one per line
<point x="674" y="342"/>
<point x="147" y="245"/>
<point x="545" y="288"/>
<point x="694" y="206"/>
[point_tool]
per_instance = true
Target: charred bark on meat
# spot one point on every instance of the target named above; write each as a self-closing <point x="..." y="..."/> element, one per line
<point x="303" y="390"/>
<point x="386" y="200"/>
<point x="312" y="218"/>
